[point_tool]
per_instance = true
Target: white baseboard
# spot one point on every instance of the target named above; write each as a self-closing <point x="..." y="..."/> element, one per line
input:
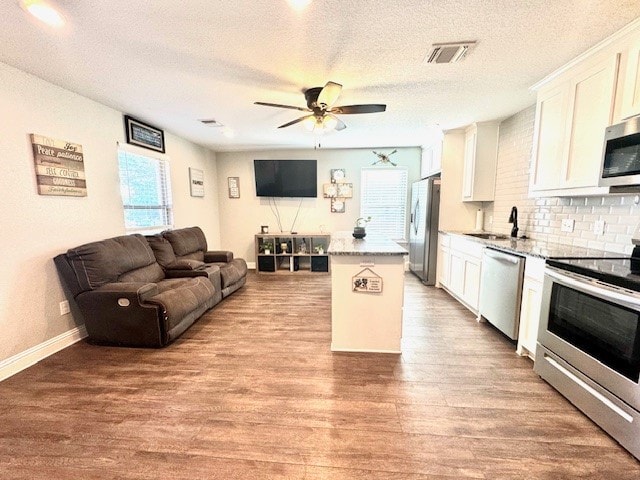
<point x="23" y="360"/>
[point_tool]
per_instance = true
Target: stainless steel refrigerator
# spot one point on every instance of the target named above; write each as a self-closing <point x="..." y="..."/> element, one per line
<point x="423" y="229"/>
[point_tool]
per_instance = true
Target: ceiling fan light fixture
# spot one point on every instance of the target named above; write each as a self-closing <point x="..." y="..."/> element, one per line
<point x="329" y="122"/>
<point x="310" y="123"/>
<point x="299" y="4"/>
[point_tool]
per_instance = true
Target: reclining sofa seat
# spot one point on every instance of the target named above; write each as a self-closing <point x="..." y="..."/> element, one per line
<point x="190" y="245"/>
<point x="125" y="297"/>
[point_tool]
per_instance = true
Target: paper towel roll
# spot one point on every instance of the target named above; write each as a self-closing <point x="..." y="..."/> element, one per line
<point x="479" y="220"/>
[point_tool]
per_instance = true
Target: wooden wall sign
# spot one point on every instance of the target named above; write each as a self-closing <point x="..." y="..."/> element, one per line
<point x="59" y="167"/>
<point x="234" y="187"/>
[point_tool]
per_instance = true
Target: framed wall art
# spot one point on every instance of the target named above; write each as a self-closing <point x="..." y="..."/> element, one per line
<point x="337" y="205"/>
<point x="196" y="182"/>
<point x="59" y="167"/>
<point x="234" y="187"/>
<point x="345" y="190"/>
<point x="143" y="135"/>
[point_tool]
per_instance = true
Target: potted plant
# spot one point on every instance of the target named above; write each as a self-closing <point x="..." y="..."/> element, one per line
<point x="359" y="229"/>
<point x="267" y="247"/>
<point x="319" y="249"/>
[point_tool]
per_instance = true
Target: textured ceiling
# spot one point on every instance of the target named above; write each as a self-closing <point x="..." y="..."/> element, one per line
<point x="172" y="63"/>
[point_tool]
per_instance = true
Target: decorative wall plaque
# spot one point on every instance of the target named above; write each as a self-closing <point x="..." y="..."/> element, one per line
<point x="196" y="182"/>
<point x="234" y="187"/>
<point x="59" y="167"/>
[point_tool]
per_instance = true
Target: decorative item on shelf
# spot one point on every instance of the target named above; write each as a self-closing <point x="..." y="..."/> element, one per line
<point x="359" y="229"/>
<point x="267" y="247"/>
<point x="264" y="229"/>
<point x="284" y="247"/>
<point x="302" y="248"/>
<point x="319" y="249"/>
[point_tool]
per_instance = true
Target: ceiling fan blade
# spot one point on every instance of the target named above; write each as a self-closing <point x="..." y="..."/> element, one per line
<point x="277" y="105"/>
<point x="297" y="120"/>
<point x="351" y="109"/>
<point x="329" y="94"/>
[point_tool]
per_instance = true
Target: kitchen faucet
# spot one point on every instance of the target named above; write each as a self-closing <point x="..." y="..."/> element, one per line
<point x="513" y="218"/>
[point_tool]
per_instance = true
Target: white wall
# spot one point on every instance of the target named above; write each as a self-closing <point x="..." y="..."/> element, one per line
<point x="240" y="219"/>
<point x="455" y="215"/>
<point x="35" y="228"/>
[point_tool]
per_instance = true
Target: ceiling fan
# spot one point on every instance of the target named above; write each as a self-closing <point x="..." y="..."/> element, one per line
<point x="322" y="116"/>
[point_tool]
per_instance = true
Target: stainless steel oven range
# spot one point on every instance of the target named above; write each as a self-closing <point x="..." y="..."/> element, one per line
<point x="589" y="341"/>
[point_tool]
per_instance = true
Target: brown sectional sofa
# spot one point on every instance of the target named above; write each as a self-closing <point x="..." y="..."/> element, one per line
<point x="189" y="252"/>
<point x="127" y="297"/>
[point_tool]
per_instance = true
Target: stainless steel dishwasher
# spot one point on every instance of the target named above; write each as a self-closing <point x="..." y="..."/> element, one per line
<point x="501" y="290"/>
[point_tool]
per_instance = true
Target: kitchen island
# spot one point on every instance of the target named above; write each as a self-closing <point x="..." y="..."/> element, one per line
<point x="367" y="293"/>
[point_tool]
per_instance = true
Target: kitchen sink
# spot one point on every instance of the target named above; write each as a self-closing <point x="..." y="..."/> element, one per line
<point x="488" y="236"/>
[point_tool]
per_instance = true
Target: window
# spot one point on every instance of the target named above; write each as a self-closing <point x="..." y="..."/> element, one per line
<point x="384" y="198"/>
<point x="146" y="192"/>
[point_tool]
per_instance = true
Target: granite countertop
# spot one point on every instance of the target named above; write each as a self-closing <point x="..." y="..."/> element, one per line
<point x="343" y="243"/>
<point x="539" y="248"/>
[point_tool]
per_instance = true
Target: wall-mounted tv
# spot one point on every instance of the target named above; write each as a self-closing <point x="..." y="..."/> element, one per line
<point x="286" y="178"/>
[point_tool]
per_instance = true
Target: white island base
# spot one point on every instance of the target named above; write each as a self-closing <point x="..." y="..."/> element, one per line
<point x="367" y="321"/>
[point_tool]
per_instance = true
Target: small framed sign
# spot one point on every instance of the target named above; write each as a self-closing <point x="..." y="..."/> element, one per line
<point x="196" y="181"/>
<point x="337" y="205"/>
<point x="345" y="190"/>
<point x="234" y="187"/>
<point x="143" y="135"/>
<point x="367" y="281"/>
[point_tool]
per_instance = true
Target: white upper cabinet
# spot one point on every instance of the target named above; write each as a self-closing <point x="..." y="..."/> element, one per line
<point x="480" y="160"/>
<point x="571" y="118"/>
<point x="431" y="160"/>
<point x="631" y="91"/>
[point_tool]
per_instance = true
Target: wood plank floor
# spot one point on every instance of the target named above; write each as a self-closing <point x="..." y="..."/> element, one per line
<point x="252" y="391"/>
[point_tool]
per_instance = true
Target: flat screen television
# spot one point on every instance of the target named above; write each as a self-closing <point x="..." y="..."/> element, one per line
<point x="286" y="178"/>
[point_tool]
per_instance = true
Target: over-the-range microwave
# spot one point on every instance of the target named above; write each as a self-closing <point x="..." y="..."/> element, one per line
<point x="621" y="154"/>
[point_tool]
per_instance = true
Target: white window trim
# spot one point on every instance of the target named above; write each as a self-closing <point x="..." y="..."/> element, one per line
<point x="364" y="213"/>
<point x="158" y="156"/>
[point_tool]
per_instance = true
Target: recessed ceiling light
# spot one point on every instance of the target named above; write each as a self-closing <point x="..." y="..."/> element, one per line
<point x="299" y="4"/>
<point x="44" y="12"/>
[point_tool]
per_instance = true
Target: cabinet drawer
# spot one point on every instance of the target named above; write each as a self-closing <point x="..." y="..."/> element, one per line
<point x="469" y="248"/>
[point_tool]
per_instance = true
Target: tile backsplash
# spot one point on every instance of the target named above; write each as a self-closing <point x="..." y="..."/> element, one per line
<point x="541" y="218"/>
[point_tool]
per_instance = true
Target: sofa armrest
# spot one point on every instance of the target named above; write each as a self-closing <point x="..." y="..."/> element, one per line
<point x="218" y="256"/>
<point x="185" y="264"/>
<point x="118" y="313"/>
<point x="212" y="272"/>
<point x="129" y="290"/>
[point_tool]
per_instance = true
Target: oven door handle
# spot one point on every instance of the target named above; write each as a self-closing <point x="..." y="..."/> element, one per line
<point x="603" y="292"/>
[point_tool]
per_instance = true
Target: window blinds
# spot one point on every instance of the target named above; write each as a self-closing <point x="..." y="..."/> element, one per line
<point x="145" y="187"/>
<point x="384" y="199"/>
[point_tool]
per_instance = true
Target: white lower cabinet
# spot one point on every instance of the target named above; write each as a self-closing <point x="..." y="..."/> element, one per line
<point x="444" y="259"/>
<point x="530" y="309"/>
<point x="464" y="268"/>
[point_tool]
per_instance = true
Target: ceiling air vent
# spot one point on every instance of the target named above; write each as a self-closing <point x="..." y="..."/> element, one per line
<point x="212" y="123"/>
<point x="448" y="52"/>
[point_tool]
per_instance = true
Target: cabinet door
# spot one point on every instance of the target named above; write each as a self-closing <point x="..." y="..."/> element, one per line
<point x="529" y="316"/>
<point x="471" y="293"/>
<point x="445" y="257"/>
<point x="456" y="273"/>
<point x="590" y="112"/>
<point x="548" y="141"/>
<point x="469" y="163"/>
<point x="631" y="93"/>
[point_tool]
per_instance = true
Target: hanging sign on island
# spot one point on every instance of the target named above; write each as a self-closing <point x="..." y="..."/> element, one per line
<point x="59" y="167"/>
<point x="366" y="281"/>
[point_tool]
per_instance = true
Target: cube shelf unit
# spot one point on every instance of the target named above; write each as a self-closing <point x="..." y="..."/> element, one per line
<point x="292" y="253"/>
